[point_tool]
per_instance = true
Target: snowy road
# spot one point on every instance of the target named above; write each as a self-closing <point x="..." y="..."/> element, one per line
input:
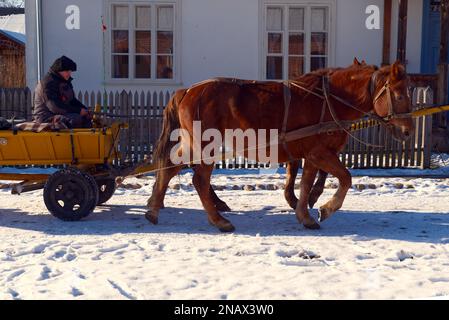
<point x="385" y="243"/>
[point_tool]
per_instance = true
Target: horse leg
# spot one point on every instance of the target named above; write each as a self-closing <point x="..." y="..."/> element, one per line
<point x="156" y="201"/>
<point x="318" y="188"/>
<point x="219" y="204"/>
<point x="289" y="192"/>
<point x="302" y="214"/>
<point x="329" y="162"/>
<point x="201" y="181"/>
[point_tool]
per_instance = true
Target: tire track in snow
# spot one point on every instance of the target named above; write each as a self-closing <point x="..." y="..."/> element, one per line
<point x="14" y="275"/>
<point x="121" y="290"/>
<point x="14" y="294"/>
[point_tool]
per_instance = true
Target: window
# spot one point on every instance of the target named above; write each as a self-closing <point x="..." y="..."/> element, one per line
<point x="143" y="41"/>
<point x="296" y="40"/>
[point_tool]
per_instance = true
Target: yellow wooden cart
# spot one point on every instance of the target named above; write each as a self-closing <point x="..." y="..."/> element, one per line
<point x="86" y="155"/>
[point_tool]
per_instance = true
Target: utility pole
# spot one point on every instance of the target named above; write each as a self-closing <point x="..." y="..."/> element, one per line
<point x="443" y="66"/>
<point x="402" y="31"/>
<point x="387" y="33"/>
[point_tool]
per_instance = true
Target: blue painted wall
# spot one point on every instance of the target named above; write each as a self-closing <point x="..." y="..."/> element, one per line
<point x="431" y="39"/>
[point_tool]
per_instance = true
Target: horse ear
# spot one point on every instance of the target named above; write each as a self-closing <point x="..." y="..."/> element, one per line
<point x="356" y="62"/>
<point x="397" y="71"/>
<point x="363" y="62"/>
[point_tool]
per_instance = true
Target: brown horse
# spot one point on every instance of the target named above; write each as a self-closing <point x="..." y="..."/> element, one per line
<point x="353" y="92"/>
<point x="292" y="172"/>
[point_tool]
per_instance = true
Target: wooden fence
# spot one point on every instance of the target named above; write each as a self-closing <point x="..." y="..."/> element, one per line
<point x="416" y="152"/>
<point x="144" y="110"/>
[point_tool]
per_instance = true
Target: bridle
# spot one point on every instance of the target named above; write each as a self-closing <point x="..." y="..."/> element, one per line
<point x="386" y="90"/>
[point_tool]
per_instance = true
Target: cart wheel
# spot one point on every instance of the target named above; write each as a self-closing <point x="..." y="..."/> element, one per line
<point x="95" y="190"/>
<point x="69" y="195"/>
<point x="106" y="189"/>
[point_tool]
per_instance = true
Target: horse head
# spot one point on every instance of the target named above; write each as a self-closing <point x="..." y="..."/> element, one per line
<point x="391" y="99"/>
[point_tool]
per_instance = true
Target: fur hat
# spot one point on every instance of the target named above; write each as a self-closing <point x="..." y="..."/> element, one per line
<point x="63" y="64"/>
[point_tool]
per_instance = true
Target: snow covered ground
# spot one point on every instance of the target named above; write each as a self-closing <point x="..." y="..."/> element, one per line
<point x="391" y="242"/>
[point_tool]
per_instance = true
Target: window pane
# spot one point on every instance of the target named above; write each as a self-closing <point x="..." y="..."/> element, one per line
<point x="274" y="68"/>
<point x="295" y="67"/>
<point x="319" y="19"/>
<point x="275" y="43"/>
<point x="296" y="43"/>
<point x="120" y="42"/>
<point x="274" y="19"/>
<point x="318" y="63"/>
<point x="120" y="17"/>
<point x="120" y="66"/>
<point x="165" y="42"/>
<point x="318" y="43"/>
<point x="165" y="67"/>
<point x="143" y="17"/>
<point x="143" y="67"/>
<point x="165" y="18"/>
<point x="296" y="19"/>
<point x="143" y="41"/>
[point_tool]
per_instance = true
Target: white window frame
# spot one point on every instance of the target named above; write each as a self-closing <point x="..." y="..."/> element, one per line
<point x="131" y="80"/>
<point x="263" y="33"/>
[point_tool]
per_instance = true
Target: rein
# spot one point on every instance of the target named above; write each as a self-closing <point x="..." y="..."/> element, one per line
<point x="326" y="127"/>
<point x="336" y="124"/>
<point x="326" y="90"/>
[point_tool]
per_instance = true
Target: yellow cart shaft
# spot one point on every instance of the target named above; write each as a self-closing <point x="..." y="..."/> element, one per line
<point x="429" y="111"/>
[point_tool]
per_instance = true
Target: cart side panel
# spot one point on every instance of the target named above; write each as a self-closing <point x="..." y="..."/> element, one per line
<point x="55" y="148"/>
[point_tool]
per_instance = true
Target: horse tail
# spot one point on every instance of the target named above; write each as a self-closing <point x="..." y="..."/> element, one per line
<point x="171" y="122"/>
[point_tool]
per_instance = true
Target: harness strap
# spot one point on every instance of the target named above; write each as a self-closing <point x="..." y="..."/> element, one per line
<point x="323" y="111"/>
<point x="320" y="128"/>
<point x="295" y="84"/>
<point x="334" y="97"/>
<point x="287" y="102"/>
<point x="390" y="103"/>
<point x="326" y="90"/>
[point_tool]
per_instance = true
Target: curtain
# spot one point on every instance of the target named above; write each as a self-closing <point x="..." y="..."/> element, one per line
<point x="296" y="19"/>
<point x="165" y="17"/>
<point x="120" y="17"/>
<point x="143" y="17"/>
<point x="274" y="19"/>
<point x="319" y="19"/>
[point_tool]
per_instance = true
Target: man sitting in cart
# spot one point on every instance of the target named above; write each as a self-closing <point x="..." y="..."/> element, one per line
<point x="55" y="99"/>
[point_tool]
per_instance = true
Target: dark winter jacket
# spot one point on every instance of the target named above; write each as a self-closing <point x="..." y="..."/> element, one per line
<point x="54" y="96"/>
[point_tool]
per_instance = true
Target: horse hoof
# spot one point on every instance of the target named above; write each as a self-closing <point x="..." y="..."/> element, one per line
<point x="312" y="226"/>
<point x="223" y="207"/>
<point x="152" y="218"/>
<point x="323" y="214"/>
<point x="222" y="226"/>
<point x="226" y="227"/>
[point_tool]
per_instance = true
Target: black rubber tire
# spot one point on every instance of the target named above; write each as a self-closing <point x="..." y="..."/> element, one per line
<point x="95" y="191"/>
<point x="106" y="189"/>
<point x="69" y="195"/>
